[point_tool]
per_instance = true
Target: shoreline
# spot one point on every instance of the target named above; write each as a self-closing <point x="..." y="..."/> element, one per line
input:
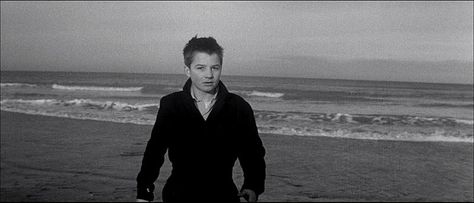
<point x="48" y="158"/>
<point x="452" y="140"/>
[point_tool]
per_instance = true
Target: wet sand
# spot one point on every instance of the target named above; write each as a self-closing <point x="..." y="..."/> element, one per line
<point x="58" y="159"/>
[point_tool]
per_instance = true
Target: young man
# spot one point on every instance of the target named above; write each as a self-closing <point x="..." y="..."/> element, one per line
<point x="205" y="130"/>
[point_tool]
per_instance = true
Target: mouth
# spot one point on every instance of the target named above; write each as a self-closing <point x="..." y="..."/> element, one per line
<point x="208" y="83"/>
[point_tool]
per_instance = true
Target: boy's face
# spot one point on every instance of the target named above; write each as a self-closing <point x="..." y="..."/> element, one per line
<point x="204" y="71"/>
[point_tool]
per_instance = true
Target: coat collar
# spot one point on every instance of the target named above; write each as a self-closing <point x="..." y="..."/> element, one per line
<point x="222" y="93"/>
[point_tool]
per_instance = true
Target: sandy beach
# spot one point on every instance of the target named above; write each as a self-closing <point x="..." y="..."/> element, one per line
<point x="58" y="159"/>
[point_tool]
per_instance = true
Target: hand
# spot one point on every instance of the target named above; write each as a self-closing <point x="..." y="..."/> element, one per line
<point x="142" y="200"/>
<point x="248" y="195"/>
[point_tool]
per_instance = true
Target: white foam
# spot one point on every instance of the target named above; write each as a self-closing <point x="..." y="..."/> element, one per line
<point x="346" y="117"/>
<point x="266" y="94"/>
<point x="79" y="117"/>
<point x="175" y="89"/>
<point x="121" y="112"/>
<point x="463" y="121"/>
<point x="32" y="102"/>
<point x="437" y="136"/>
<point x="95" y="88"/>
<point x="121" y="106"/>
<point x="16" y="85"/>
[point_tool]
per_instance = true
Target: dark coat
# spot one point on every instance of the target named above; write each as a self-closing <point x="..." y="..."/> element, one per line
<point x="203" y="152"/>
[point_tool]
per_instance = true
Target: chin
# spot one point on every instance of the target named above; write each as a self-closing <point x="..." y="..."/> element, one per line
<point x="208" y="88"/>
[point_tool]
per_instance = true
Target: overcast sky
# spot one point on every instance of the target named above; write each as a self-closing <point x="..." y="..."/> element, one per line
<point x="400" y="41"/>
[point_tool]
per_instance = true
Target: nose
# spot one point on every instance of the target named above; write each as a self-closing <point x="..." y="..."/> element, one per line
<point x="209" y="73"/>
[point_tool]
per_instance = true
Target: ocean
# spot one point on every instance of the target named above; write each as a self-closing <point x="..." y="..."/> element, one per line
<point x="377" y="110"/>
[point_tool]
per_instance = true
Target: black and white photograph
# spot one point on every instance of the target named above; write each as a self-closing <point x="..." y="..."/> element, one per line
<point x="237" y="101"/>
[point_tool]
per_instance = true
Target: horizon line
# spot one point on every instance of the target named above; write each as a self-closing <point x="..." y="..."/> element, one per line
<point x="121" y="72"/>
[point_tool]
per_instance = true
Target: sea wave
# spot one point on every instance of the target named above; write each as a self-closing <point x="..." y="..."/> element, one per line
<point x="96" y="88"/>
<point x="295" y="118"/>
<point x="255" y="93"/>
<point x="465" y="121"/>
<point x="447" y="105"/>
<point x="17" y="85"/>
<point x="86" y="103"/>
<point x="439" y="135"/>
<point x="83" y="116"/>
<point x="341" y="125"/>
<point x="266" y="94"/>
<point x="366" y="119"/>
<point x="435" y="136"/>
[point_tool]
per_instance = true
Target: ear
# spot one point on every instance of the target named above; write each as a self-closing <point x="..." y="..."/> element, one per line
<point x="187" y="71"/>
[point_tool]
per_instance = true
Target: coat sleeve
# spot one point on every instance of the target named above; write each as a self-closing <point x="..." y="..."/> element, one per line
<point x="153" y="157"/>
<point x="252" y="152"/>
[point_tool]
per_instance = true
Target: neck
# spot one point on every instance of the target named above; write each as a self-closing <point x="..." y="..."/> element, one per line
<point x="201" y="95"/>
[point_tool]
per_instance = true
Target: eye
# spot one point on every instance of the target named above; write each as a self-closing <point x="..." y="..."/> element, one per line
<point x="199" y="67"/>
<point x="216" y="67"/>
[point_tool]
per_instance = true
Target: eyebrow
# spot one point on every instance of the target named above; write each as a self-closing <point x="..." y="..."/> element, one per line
<point x="205" y="65"/>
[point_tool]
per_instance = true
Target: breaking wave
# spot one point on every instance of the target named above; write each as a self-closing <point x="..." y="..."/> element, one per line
<point x="266" y="94"/>
<point x="447" y="105"/>
<point x="86" y="103"/>
<point x="368" y="119"/>
<point x="96" y="88"/>
<point x="340" y="125"/>
<point x="433" y="136"/>
<point x="17" y="85"/>
<point x="255" y="93"/>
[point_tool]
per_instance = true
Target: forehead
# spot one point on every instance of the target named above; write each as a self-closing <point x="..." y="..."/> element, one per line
<point x="205" y="58"/>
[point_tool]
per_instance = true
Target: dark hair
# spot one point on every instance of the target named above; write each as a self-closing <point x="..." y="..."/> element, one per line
<point x="204" y="44"/>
